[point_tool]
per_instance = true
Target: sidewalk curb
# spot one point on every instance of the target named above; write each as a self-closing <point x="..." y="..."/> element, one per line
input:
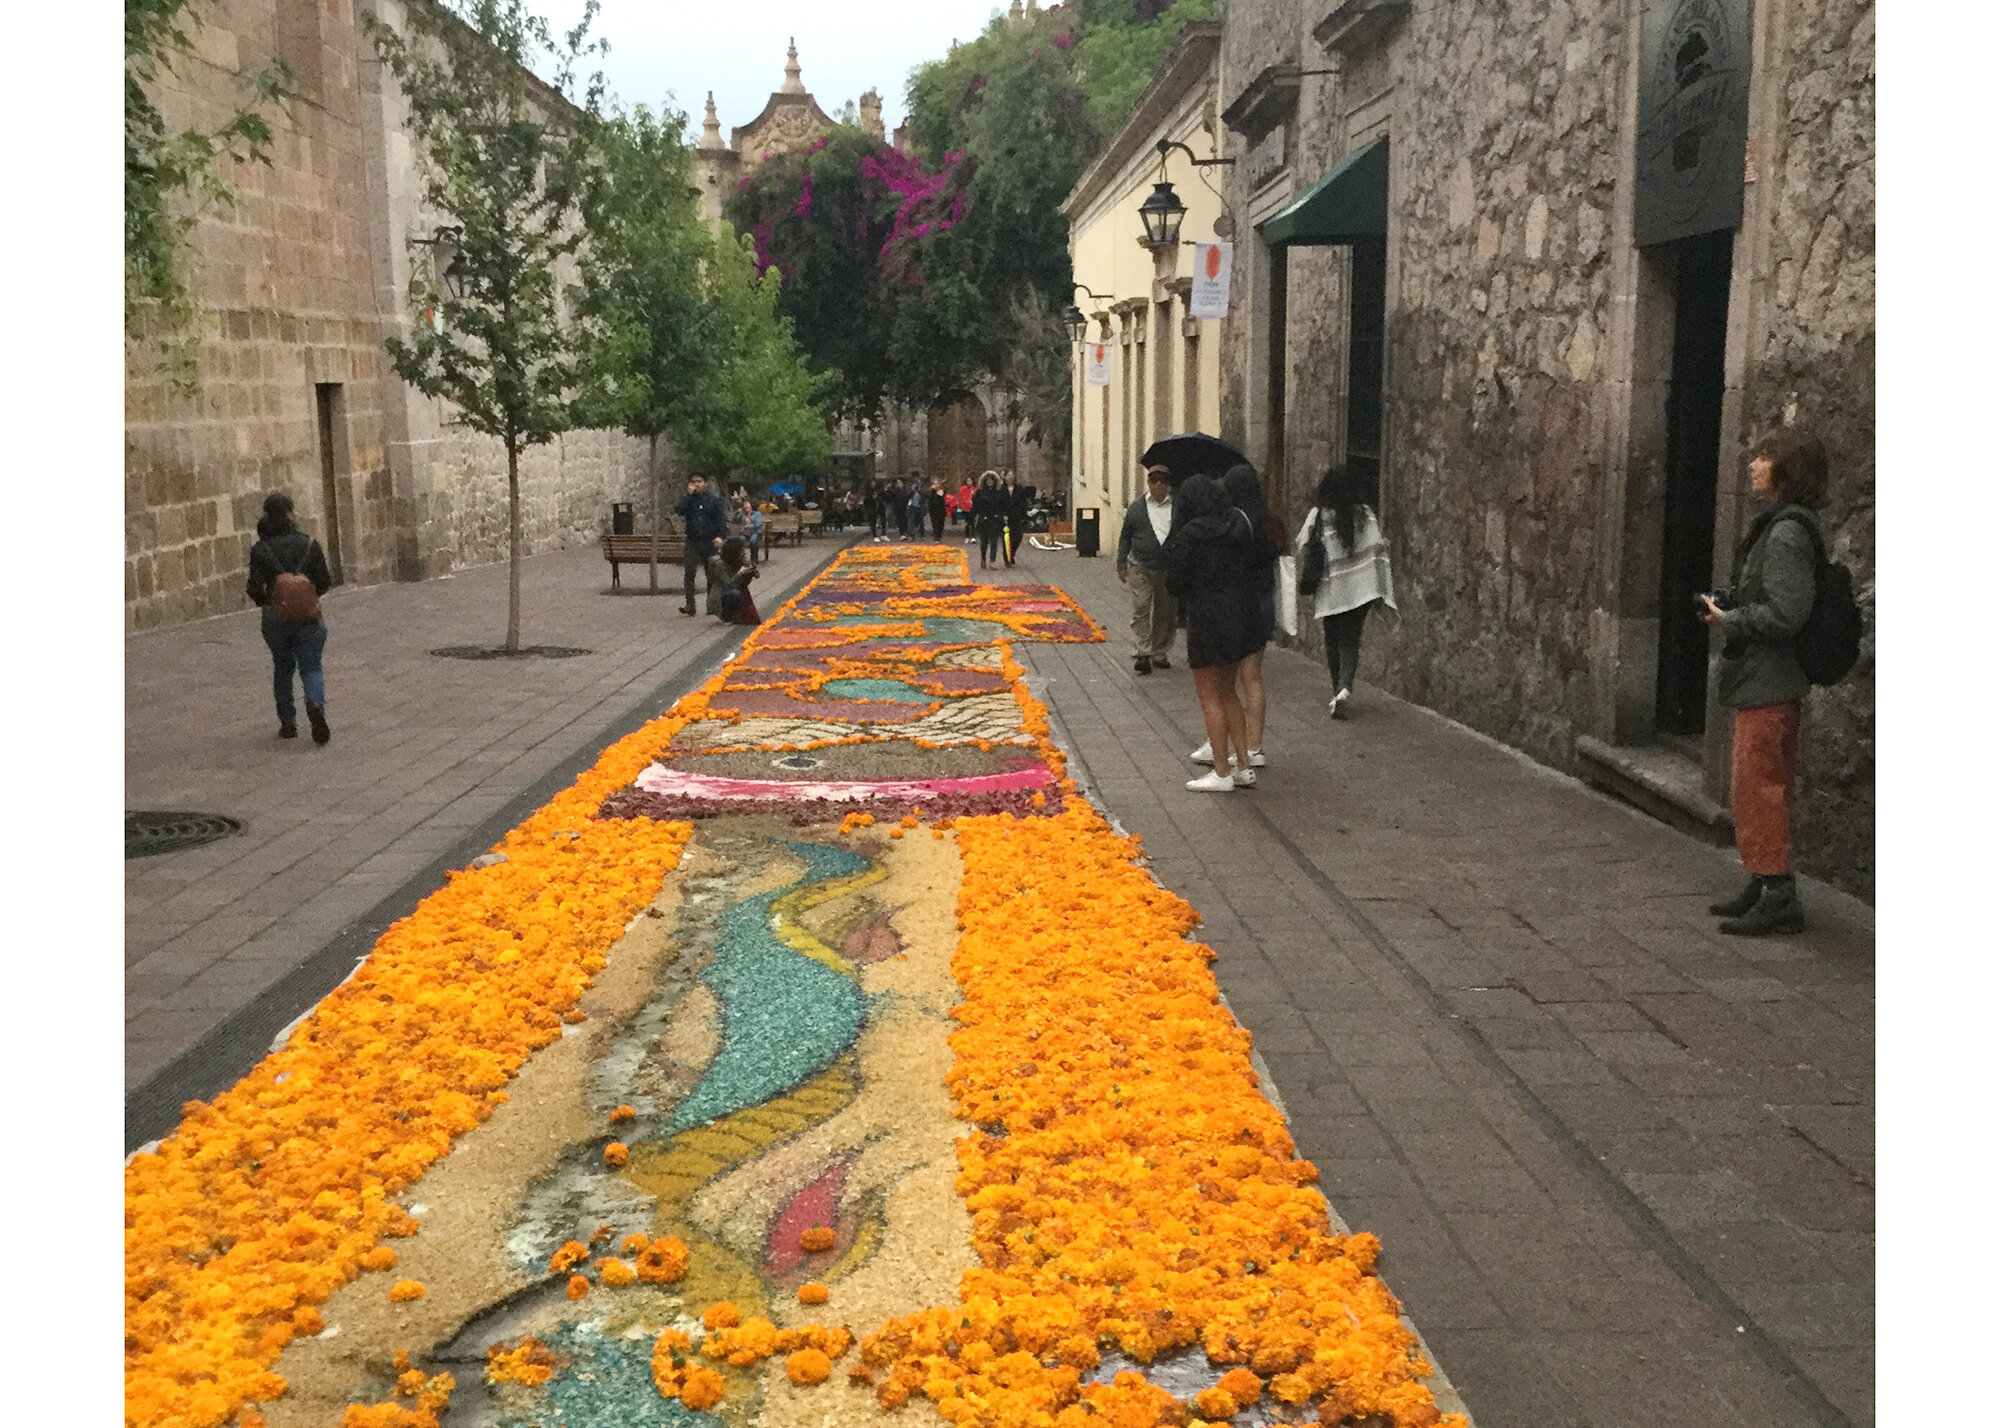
<point x="229" y="1049"/>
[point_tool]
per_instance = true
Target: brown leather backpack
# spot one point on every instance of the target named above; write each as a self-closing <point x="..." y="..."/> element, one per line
<point x="292" y="593"/>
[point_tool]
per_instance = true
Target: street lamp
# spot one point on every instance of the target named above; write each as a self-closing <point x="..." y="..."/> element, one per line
<point x="1073" y="319"/>
<point x="1162" y="213"/>
<point x="447" y="258"/>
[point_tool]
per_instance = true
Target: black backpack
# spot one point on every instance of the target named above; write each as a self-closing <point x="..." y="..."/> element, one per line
<point x="1829" y="643"/>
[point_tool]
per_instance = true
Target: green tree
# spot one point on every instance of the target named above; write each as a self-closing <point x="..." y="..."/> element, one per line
<point x="513" y="165"/>
<point x="172" y="176"/>
<point x="649" y="330"/>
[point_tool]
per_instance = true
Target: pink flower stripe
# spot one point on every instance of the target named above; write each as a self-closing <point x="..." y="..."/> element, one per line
<point x="672" y="782"/>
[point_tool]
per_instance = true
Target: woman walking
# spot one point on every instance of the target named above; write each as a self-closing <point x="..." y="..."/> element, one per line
<point x="288" y="574"/>
<point x="1212" y="566"/>
<point x="1761" y="679"/>
<point x="989" y="517"/>
<point x="1353" y="559"/>
<point x="937" y="508"/>
<point x="1246" y="493"/>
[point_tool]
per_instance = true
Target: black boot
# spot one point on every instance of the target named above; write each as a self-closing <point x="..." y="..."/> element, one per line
<point x="1777" y="910"/>
<point x="316" y="716"/>
<point x="1742" y="902"/>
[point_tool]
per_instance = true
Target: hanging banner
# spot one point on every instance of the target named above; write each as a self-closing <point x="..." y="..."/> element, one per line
<point x="1210" y="295"/>
<point x="1097" y="371"/>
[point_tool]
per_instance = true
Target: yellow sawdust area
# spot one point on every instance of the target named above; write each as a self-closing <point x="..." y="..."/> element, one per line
<point x="903" y="1121"/>
<point x="460" y="1253"/>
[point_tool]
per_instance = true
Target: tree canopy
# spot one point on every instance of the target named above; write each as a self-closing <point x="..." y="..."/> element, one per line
<point x="917" y="275"/>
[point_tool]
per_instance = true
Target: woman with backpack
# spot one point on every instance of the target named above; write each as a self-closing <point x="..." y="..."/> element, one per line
<point x="1761" y="678"/>
<point x="1213" y="567"/>
<point x="288" y="574"/>
<point x="1344" y="569"/>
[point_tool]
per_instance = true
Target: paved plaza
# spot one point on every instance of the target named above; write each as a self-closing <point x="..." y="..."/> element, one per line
<point x="1621" y="1166"/>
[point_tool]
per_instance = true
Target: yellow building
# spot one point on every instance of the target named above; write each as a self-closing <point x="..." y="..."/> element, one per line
<point x="1161" y="367"/>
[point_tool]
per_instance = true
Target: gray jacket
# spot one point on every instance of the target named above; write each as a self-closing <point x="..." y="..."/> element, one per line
<point x="1768" y="605"/>
<point x="1136" y="541"/>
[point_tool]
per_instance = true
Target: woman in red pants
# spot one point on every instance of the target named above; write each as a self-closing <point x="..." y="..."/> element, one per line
<point x="1761" y="679"/>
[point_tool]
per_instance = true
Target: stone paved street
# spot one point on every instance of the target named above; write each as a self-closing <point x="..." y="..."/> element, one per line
<point x="429" y="762"/>
<point x="1622" y="1166"/>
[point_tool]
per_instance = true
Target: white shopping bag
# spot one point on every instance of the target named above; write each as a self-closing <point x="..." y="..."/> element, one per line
<point x="1287" y="576"/>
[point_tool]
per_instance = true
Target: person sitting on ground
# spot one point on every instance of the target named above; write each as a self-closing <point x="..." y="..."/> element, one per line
<point x="1213" y="565"/>
<point x="738" y="571"/>
<point x="1760" y="679"/>
<point x="1141" y="564"/>
<point x="1354" y="557"/>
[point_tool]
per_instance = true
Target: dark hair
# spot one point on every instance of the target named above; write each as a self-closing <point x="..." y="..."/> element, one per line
<point x="1344" y="492"/>
<point x="277" y="517"/>
<point x="1244" y="490"/>
<point x="732" y="553"/>
<point x="1798" y="466"/>
<point x="988" y="480"/>
<point x="1196" y="497"/>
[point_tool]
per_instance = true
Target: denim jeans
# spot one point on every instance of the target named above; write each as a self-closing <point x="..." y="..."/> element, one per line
<point x="295" y="645"/>
<point x="1343" y="644"/>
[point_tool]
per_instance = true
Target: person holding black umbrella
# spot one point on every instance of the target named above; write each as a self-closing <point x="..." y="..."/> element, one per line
<point x="1213" y="568"/>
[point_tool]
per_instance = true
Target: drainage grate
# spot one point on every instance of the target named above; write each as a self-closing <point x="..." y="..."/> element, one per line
<point x="150" y="833"/>
<point x="495" y="652"/>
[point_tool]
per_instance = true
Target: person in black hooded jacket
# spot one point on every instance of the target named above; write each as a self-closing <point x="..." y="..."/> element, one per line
<point x="283" y="549"/>
<point x="1214" y="568"/>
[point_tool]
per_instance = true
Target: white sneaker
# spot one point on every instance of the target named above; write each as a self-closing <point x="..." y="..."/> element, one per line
<point x="1257" y="758"/>
<point x="1244" y="778"/>
<point x="1203" y="755"/>
<point x="1337" y="707"/>
<point x="1212" y="782"/>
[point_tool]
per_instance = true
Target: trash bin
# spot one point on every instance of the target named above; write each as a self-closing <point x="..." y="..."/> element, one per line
<point x="621" y="518"/>
<point x="1086" y="530"/>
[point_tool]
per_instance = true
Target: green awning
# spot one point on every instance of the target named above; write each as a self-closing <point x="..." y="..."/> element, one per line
<point x="1350" y="203"/>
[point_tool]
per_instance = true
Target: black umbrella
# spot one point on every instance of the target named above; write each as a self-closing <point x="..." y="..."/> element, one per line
<point x="1192" y="453"/>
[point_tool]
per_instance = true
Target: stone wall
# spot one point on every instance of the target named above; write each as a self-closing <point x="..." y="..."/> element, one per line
<point x="301" y="279"/>
<point x="1812" y="364"/>
<point x="1523" y="418"/>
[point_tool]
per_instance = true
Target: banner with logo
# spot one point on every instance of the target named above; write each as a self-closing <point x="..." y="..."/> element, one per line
<point x="1097" y="371"/>
<point x="1210" y="294"/>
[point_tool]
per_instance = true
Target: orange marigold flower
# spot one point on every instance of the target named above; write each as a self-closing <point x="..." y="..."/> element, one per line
<point x="408" y="1385"/>
<point x="307" y="1320"/>
<point x="616" y="1273"/>
<point x="812" y="1292"/>
<point x="381" y="1257"/>
<point x="403" y="1228"/>
<point x="615" y="1154"/>
<point x="808" y="1366"/>
<point x="623" y="1113"/>
<point x="404" y="1290"/>
<point x="578" y="1286"/>
<point x="635" y="1243"/>
<point x="576" y="1016"/>
<point x="530" y="1363"/>
<point x="816" y="1237"/>
<point x="572" y="1254"/>
<point x="701" y="1388"/>
<point x="721" y="1316"/>
<point x="663" y="1261"/>
<point x="1243" y="1386"/>
<point x="599" y="1235"/>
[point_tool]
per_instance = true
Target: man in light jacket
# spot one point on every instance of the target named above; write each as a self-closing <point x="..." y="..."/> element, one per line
<point x="1142" y="566"/>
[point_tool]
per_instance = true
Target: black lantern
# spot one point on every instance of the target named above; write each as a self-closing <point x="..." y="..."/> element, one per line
<point x="448" y="259"/>
<point x="1073" y="319"/>
<point x="454" y="276"/>
<point x="1162" y="213"/>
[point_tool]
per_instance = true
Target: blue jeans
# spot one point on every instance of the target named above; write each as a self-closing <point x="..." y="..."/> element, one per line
<point x="295" y="645"/>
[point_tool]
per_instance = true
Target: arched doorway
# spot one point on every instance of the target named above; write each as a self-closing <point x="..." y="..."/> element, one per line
<point x="957" y="441"/>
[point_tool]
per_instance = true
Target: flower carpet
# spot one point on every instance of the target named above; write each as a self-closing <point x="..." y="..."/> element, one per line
<point x="820" y="1056"/>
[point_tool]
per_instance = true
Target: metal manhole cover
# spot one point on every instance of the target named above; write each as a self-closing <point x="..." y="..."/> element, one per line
<point x="150" y="833"/>
<point x="525" y="652"/>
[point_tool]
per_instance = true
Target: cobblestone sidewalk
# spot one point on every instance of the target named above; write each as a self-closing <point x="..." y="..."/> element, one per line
<point x="427" y="752"/>
<point x="1622" y="1166"/>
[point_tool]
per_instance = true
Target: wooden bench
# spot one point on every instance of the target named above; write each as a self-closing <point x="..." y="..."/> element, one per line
<point x="781" y="524"/>
<point x="810" y="523"/>
<point x="638" y="550"/>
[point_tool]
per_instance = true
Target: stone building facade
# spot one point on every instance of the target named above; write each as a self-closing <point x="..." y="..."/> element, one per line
<point x="302" y="279"/>
<point x="1555" y="391"/>
<point x="1161" y="365"/>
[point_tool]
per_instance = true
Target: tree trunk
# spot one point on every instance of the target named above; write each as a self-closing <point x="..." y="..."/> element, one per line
<point x="513" y="545"/>
<point x="653" y="484"/>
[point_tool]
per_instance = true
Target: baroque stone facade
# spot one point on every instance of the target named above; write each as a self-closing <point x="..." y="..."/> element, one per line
<point x="302" y="279"/>
<point x="1534" y="421"/>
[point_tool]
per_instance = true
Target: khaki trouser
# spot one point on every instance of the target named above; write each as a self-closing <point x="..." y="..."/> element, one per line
<point x="1152" y="611"/>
